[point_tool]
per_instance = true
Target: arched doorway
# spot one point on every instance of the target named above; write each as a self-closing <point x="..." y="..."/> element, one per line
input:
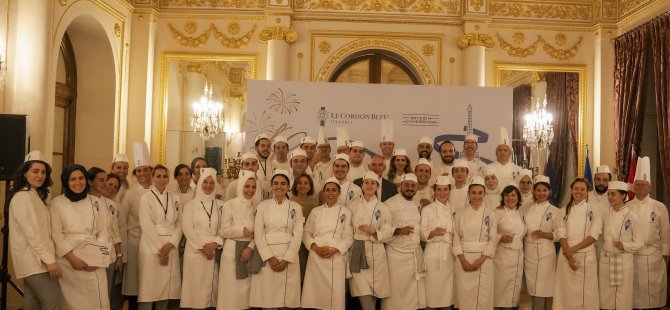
<point x="375" y="67"/>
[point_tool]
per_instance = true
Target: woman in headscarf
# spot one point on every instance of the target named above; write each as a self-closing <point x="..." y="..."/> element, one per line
<point x="160" y="212"/>
<point x="492" y="198"/>
<point x="237" y="227"/>
<point x="372" y="225"/>
<point x="30" y="243"/>
<point x="200" y="223"/>
<point x="277" y="233"/>
<point x="508" y="262"/>
<point x="437" y="230"/>
<point x="544" y="224"/>
<point x="79" y="221"/>
<point x="328" y="235"/>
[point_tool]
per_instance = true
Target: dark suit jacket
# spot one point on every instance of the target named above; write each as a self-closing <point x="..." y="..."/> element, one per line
<point x="388" y="188"/>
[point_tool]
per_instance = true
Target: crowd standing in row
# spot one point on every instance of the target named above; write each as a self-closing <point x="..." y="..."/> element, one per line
<point x="307" y="230"/>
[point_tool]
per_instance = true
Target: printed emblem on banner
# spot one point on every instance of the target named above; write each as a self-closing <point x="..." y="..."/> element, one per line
<point x="626" y="225"/>
<point x="378" y="214"/>
<point x="653" y="216"/>
<point x="292" y="213"/>
<point x="342" y="218"/>
<point x="590" y="215"/>
<point x="548" y="217"/>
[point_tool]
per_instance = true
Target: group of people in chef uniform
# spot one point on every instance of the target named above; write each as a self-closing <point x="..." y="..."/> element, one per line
<point x="310" y="229"/>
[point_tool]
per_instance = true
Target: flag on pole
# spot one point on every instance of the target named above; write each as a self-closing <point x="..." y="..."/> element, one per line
<point x="587" y="169"/>
<point x="631" y="172"/>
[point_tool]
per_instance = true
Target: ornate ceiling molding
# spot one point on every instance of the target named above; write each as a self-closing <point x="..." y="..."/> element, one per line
<point x="213" y="4"/>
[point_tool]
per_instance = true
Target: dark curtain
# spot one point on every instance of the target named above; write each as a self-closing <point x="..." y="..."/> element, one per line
<point x="521" y="106"/>
<point x="659" y="30"/>
<point x="563" y="104"/>
<point x="630" y="61"/>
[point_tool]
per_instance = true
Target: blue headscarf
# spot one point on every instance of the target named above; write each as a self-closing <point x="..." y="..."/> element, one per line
<point x="65" y="176"/>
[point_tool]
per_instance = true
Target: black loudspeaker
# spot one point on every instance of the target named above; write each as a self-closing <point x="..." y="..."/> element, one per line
<point x="14" y="145"/>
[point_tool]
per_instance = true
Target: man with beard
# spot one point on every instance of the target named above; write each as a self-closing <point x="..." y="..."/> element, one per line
<point x="503" y="167"/>
<point x="356" y="155"/>
<point x="262" y="144"/>
<point x="447" y="154"/>
<point x="601" y="179"/>
<point x="387" y="189"/>
<point x="475" y="165"/>
<point x="299" y="163"/>
<point x="403" y="251"/>
<point x="280" y="153"/>
<point x="425" y="148"/>
<point x="424" y="192"/>
<point x="348" y="191"/>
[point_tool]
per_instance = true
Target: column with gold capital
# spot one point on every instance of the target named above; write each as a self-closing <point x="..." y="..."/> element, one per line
<point x="474" y="45"/>
<point x="278" y="39"/>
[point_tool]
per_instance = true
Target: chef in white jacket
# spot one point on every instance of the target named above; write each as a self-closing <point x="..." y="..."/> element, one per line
<point x="650" y="284"/>
<point x="458" y="196"/>
<point x="475" y="239"/>
<point x="160" y="212"/>
<point x="622" y="238"/>
<point x="437" y="229"/>
<point x="349" y="190"/>
<point x="508" y="262"/>
<point x="30" y="245"/>
<point x="503" y="167"/>
<point x="278" y="231"/>
<point x="577" y="269"/>
<point x="544" y="223"/>
<point x="372" y="224"/>
<point x="79" y="222"/>
<point x="328" y="234"/>
<point x="237" y="229"/>
<point x="200" y="224"/>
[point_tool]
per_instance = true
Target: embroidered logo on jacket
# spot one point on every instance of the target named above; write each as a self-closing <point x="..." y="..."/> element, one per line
<point x="486" y="220"/>
<point x="342" y="218"/>
<point x="590" y="215"/>
<point x="96" y="206"/>
<point x="378" y="214"/>
<point x="548" y="217"/>
<point x="626" y="225"/>
<point x="653" y="216"/>
<point x="350" y="195"/>
<point x="176" y="206"/>
<point x="292" y="213"/>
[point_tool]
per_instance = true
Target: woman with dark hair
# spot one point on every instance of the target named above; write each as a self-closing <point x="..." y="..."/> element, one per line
<point x="277" y="233"/>
<point x="185" y="189"/>
<point x="30" y="244"/>
<point x="80" y="220"/>
<point x="577" y="259"/>
<point x="328" y="235"/>
<point x="113" y="184"/>
<point x="97" y="184"/>
<point x="622" y="238"/>
<point x="508" y="262"/>
<point x="302" y="192"/>
<point x="475" y="239"/>
<point x="400" y="165"/>
<point x="237" y="228"/>
<point x="159" y="215"/>
<point x="543" y="224"/>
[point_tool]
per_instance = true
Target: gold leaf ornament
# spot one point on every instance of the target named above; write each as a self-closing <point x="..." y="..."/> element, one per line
<point x="475" y="39"/>
<point x="201" y="39"/>
<point x="518" y="51"/>
<point x="324" y="47"/>
<point x="232" y="42"/>
<point x="184" y="40"/>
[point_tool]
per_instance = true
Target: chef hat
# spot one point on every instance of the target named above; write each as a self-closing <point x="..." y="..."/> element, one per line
<point x="504" y="137"/>
<point x="408" y="177"/>
<point x="331" y="180"/>
<point x="427" y="140"/>
<point x="283" y="172"/>
<point x="511" y="183"/>
<point x="358" y="143"/>
<point x="141" y="154"/>
<point x="618" y="185"/>
<point x="489" y="170"/>
<point x="120" y="158"/>
<point x="422" y="161"/>
<point x="248" y="155"/>
<point x="542" y="179"/>
<point x="643" y="169"/>
<point x="471" y="137"/>
<point x="386" y="131"/>
<point x="461" y="163"/>
<point x="342" y="156"/>
<point x="342" y="136"/>
<point x="602" y="169"/>
<point x="526" y="172"/>
<point x="35" y="155"/>
<point x="477" y="180"/>
<point x="307" y="140"/>
<point x="261" y="136"/>
<point x="371" y="175"/>
<point x="321" y="138"/>
<point x="400" y="152"/>
<point x="298" y="152"/>
<point x="279" y="139"/>
<point x="442" y="180"/>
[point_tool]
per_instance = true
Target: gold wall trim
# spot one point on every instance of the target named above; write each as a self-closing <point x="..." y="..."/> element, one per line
<point x="166" y="57"/>
<point x="499" y="67"/>
<point x="365" y="18"/>
<point x="256" y="16"/>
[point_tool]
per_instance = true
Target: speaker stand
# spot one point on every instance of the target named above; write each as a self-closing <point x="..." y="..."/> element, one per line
<point x="5" y="277"/>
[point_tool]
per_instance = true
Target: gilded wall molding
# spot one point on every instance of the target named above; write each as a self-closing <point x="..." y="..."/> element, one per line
<point x="213" y="4"/>
<point x="551" y="50"/>
<point x="475" y="39"/>
<point x="627" y="6"/>
<point x="442" y="7"/>
<point x="279" y="33"/>
<point x="201" y="39"/>
<point x="529" y="10"/>
<point x="515" y="51"/>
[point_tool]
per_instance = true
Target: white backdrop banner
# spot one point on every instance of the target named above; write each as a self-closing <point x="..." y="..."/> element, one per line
<point x="297" y="109"/>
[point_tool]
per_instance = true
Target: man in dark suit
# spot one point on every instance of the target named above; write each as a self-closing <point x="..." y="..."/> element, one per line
<point x="387" y="188"/>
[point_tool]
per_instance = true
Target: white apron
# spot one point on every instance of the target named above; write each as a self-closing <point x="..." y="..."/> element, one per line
<point x="324" y="285"/>
<point x="508" y="262"/>
<point x="540" y="254"/>
<point x="437" y="257"/>
<point x="130" y="231"/>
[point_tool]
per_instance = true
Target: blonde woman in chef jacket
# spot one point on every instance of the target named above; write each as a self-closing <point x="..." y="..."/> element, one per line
<point x="79" y="219"/>
<point x="508" y="262"/>
<point x="30" y="245"/>
<point x="475" y="239"/>
<point x="622" y="237"/>
<point x="277" y="232"/>
<point x="577" y="268"/>
<point x="328" y="234"/>
<point x="160" y="212"/>
<point x="544" y="224"/>
<point x="200" y="224"/>
<point x="437" y="229"/>
<point x="372" y="225"/>
<point x="237" y="227"/>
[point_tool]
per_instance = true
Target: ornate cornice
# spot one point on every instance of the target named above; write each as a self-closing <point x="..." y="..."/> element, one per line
<point x="475" y="39"/>
<point x="213" y="4"/>
<point x="201" y="39"/>
<point x="546" y="11"/>
<point x="550" y="49"/>
<point x="406" y="7"/>
<point x="279" y="33"/>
